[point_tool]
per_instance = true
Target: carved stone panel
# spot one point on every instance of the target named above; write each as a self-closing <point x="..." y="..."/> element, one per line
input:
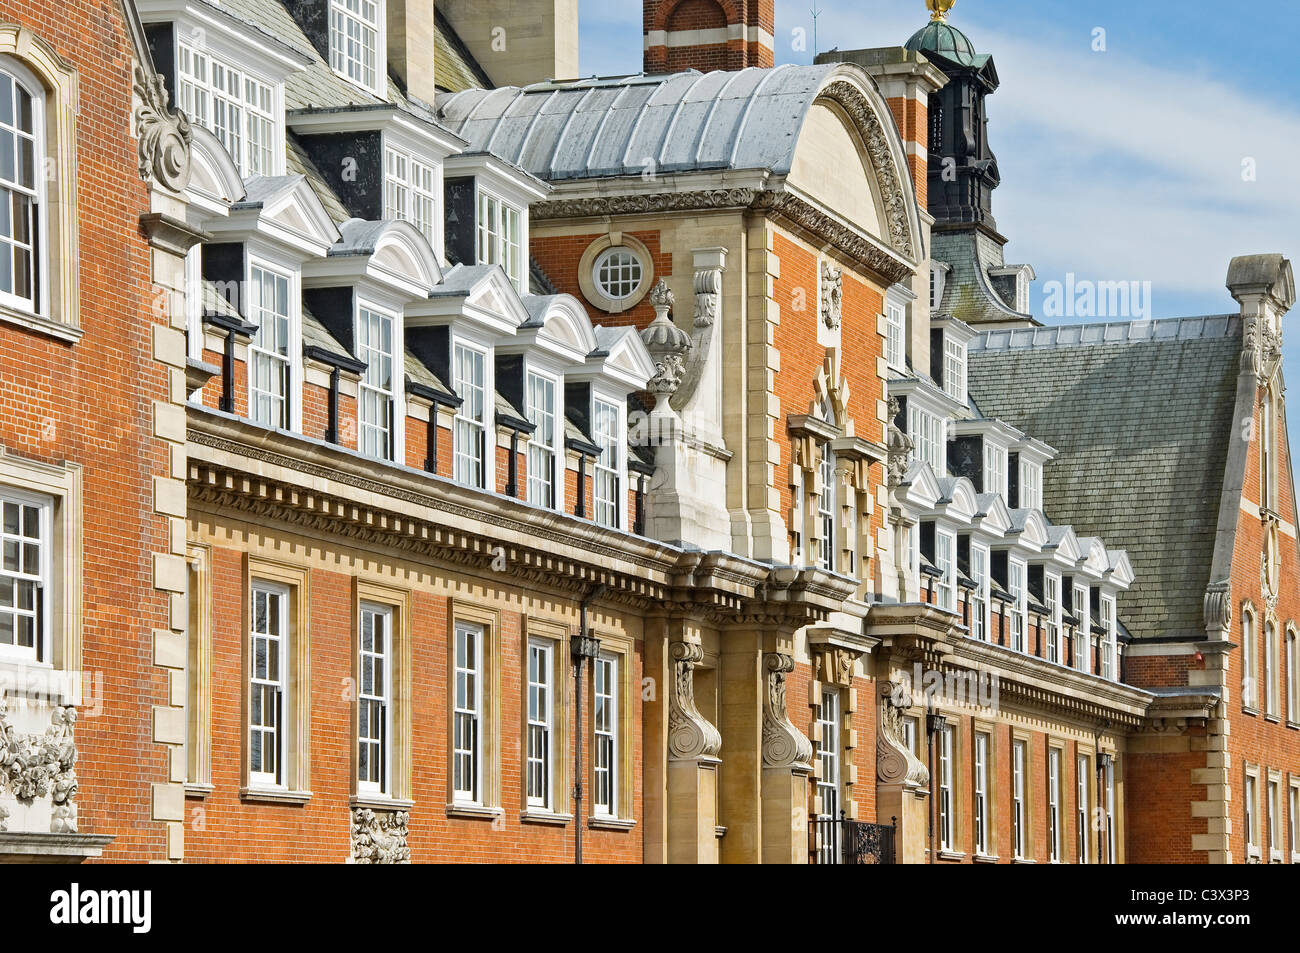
<point x="38" y="770"/>
<point x="379" y="837"/>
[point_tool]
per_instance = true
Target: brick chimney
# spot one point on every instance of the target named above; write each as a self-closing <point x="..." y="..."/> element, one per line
<point x="410" y="29"/>
<point x="708" y="34"/>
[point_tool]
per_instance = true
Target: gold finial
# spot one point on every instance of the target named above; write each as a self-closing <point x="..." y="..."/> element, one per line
<point x="939" y="9"/>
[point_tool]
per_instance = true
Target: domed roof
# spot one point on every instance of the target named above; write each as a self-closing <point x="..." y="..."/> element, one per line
<point x="948" y="41"/>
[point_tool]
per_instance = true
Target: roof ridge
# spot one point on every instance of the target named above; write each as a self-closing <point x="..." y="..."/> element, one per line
<point x="1137" y="330"/>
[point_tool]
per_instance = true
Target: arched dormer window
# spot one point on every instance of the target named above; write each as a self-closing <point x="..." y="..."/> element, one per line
<point x="39" y="262"/>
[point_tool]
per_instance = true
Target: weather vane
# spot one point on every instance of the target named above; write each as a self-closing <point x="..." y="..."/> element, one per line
<point x="939" y="8"/>
<point x="816" y="12"/>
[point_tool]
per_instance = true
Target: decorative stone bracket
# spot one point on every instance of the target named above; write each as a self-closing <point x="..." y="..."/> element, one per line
<point x="380" y="837"/>
<point x="895" y="762"/>
<point x="784" y="745"/>
<point x="710" y="263"/>
<point x="37" y="766"/>
<point x="690" y="735"/>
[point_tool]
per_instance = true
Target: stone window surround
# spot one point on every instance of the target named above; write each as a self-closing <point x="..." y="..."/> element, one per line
<point x="1025" y="738"/>
<point x="62" y="262"/>
<point x="490" y="768"/>
<point x="198" y="715"/>
<point x="62" y="483"/>
<point x="587" y="282"/>
<point x="993" y="790"/>
<point x="297" y="692"/>
<point x="623" y="647"/>
<point x="557" y="633"/>
<point x="399" y="796"/>
<point x="1254" y="850"/>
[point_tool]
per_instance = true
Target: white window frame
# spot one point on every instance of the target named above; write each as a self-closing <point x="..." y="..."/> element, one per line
<point x="1018" y="587"/>
<point x="607" y="470"/>
<point x="1082" y="600"/>
<point x="467" y="713"/>
<point x="1293" y="676"/>
<point x="1108" y="660"/>
<point x="539" y="745"/>
<point x="981" y="808"/>
<point x="896" y="335"/>
<point x="945" y="560"/>
<point x="829" y="747"/>
<point x="1031" y="485"/>
<point x="1112" y="838"/>
<point x="954" y="369"/>
<point x="14" y="554"/>
<point x="979" y="604"/>
<point x="947" y="820"/>
<point x="1274" y="795"/>
<point x="544" y="455"/>
<point x="826" y="507"/>
<point x="412" y="188"/>
<point x="1052" y="600"/>
<point x="499" y="236"/>
<point x="259" y="684"/>
<point x="1250" y="801"/>
<point x="605" y="720"/>
<point x="995" y="469"/>
<point x="1272" y="675"/>
<point x="345" y="14"/>
<point x="255" y="106"/>
<point x="473" y="423"/>
<point x="376" y="438"/>
<point x="37" y="243"/>
<point x="1082" y="812"/>
<point x="376" y="693"/>
<point x="927" y="431"/>
<point x="1019" y="763"/>
<point x="1293" y="821"/>
<point x="1054" y="837"/>
<point x="290" y="363"/>
<point x="621" y="265"/>
<point x="1249" y="661"/>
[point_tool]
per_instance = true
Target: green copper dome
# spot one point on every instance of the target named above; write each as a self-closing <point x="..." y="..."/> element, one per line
<point x="948" y="41"/>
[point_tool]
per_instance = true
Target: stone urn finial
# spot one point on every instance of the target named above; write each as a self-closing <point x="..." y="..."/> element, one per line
<point x="667" y="344"/>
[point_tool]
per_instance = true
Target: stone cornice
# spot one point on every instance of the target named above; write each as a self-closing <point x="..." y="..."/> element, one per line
<point x="891" y="265"/>
<point x="235" y="466"/>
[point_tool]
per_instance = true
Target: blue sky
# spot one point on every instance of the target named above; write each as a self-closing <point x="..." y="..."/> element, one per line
<point x="1125" y="164"/>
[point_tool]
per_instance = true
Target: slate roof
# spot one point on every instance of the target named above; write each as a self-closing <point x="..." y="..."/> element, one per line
<point x="968" y="294"/>
<point x="1141" y="414"/>
<point x="685" y="122"/>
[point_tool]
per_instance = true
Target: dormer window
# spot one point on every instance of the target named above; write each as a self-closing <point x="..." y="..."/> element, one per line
<point x="1020" y="608"/>
<point x="954" y="369"/>
<point x="237" y="108"/>
<point x="945" y="560"/>
<point x="498" y="236"/>
<point x="1108" y="639"/>
<point x="410" y="192"/>
<point x="995" y="469"/>
<point x="605" y="433"/>
<point x="1052" y="601"/>
<point x="1083" y="634"/>
<point x="376" y="347"/>
<point x="896" y="335"/>
<point x="543" y="452"/>
<point x="355" y="29"/>
<point x="938" y="278"/>
<point x="472" y="418"/>
<point x="270" y="371"/>
<point x="927" y="433"/>
<point x="1031" y="485"/>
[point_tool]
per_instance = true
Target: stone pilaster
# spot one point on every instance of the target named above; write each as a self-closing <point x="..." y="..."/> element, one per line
<point x="787" y="762"/>
<point x="693" y="746"/>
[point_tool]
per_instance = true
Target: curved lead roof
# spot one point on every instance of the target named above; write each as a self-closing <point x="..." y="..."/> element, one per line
<point x="683" y="122"/>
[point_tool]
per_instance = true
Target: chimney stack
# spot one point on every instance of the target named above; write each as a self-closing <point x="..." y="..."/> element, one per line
<point x="411" y="31"/>
<point x="709" y="35"/>
<point x="518" y="42"/>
